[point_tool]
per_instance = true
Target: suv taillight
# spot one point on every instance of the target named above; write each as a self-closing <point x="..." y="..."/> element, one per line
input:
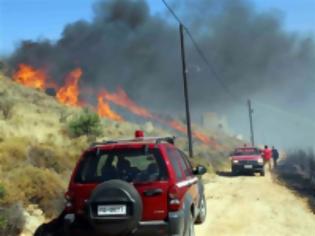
<point x="69" y="202"/>
<point x="174" y="203"/>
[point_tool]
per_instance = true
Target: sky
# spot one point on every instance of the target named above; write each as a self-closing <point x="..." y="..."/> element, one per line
<point x="36" y="19"/>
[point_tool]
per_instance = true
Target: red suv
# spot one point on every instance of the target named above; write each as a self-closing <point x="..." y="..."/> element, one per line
<point x="142" y="186"/>
<point x="247" y="159"/>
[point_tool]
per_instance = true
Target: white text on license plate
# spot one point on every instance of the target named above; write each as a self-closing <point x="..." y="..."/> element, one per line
<point x="110" y="210"/>
<point x="248" y="166"/>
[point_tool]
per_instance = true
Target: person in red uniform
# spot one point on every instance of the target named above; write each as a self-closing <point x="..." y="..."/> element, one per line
<point x="267" y="154"/>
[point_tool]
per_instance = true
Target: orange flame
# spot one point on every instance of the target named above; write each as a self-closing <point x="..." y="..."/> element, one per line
<point x="205" y="139"/>
<point x="177" y="126"/>
<point x="121" y="98"/>
<point x="104" y="110"/>
<point x="69" y="93"/>
<point x="30" y="77"/>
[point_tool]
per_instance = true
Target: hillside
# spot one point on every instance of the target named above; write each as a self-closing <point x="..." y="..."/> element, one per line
<point x="37" y="152"/>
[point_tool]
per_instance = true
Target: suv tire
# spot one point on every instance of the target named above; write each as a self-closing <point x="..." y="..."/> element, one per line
<point x="190" y="228"/>
<point x="115" y="192"/>
<point x="202" y="210"/>
<point x="234" y="172"/>
<point x="43" y="230"/>
<point x="262" y="173"/>
<point x="53" y="228"/>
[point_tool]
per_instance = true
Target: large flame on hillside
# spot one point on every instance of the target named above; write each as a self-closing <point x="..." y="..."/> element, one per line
<point x="205" y="139"/>
<point x="177" y="125"/>
<point x="69" y="93"/>
<point x="30" y="77"/>
<point x="104" y="110"/>
<point x="180" y="127"/>
<point x="121" y="98"/>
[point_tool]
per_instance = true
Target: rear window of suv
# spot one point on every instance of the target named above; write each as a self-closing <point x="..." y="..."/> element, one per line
<point x="131" y="165"/>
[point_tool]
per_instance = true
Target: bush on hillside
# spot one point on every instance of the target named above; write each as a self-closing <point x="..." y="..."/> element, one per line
<point x="3" y="222"/>
<point x="87" y="123"/>
<point x="13" y="153"/>
<point x="63" y="115"/>
<point x="31" y="185"/>
<point x="12" y="219"/>
<point x="46" y="157"/>
<point x="2" y="192"/>
<point x="6" y="106"/>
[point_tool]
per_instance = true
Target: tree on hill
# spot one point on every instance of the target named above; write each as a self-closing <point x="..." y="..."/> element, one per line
<point x="87" y="123"/>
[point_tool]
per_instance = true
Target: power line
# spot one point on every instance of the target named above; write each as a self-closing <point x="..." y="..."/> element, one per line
<point x="201" y="53"/>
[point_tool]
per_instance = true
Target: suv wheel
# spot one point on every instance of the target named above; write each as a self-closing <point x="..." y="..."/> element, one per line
<point x="202" y="211"/>
<point x="234" y="172"/>
<point x="262" y="173"/>
<point x="190" y="229"/>
<point x="53" y="228"/>
<point x="43" y="231"/>
<point x="113" y="193"/>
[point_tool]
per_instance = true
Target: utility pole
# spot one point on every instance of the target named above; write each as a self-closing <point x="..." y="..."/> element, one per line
<point x="251" y="111"/>
<point x="182" y="47"/>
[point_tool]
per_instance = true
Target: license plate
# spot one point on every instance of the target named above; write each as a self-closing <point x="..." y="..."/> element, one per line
<point x="248" y="166"/>
<point x="111" y="210"/>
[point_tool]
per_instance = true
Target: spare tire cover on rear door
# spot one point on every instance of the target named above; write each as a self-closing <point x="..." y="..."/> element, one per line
<point x="113" y="193"/>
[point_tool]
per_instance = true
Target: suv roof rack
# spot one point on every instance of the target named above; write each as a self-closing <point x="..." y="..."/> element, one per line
<point x="170" y="140"/>
<point x="157" y="140"/>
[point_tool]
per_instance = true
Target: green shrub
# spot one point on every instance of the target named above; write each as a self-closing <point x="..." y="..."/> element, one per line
<point x="3" y="222"/>
<point x="87" y="123"/>
<point x="2" y="192"/>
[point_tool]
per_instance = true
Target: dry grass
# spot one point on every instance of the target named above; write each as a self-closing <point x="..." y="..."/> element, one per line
<point x="32" y="185"/>
<point x="12" y="219"/>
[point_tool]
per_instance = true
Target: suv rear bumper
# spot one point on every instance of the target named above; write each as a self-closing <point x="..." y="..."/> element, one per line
<point x="152" y="228"/>
<point x="173" y="226"/>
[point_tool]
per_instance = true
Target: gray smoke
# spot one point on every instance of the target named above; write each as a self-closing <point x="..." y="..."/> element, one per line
<point x="126" y="45"/>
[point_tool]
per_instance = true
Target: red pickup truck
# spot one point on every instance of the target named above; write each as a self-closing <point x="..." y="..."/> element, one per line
<point x="247" y="160"/>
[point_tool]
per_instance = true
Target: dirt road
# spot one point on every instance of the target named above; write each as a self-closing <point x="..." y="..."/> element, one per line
<point x="254" y="205"/>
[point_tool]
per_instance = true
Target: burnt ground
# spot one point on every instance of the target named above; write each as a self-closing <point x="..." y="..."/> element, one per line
<point x="299" y="184"/>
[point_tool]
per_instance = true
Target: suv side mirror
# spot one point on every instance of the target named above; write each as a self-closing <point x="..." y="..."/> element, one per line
<point x="200" y="170"/>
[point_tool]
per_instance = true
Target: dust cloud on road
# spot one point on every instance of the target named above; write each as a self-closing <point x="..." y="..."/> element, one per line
<point x="254" y="205"/>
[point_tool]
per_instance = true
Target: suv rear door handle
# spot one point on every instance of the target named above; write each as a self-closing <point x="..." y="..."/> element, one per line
<point x="153" y="192"/>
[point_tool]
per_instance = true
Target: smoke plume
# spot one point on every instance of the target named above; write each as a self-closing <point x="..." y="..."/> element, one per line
<point x="126" y="45"/>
